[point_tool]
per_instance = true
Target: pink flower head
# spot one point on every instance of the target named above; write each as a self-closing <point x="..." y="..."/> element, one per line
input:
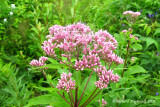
<point x="103" y="102"/>
<point x="88" y="61"/>
<point x="136" y="38"/>
<point x="128" y="12"/>
<point x="66" y="82"/>
<point x="134" y="14"/>
<point x="131" y="16"/>
<point x="39" y="63"/>
<point x="124" y="31"/>
<point x="104" y="77"/>
<point x="132" y="59"/>
<point x="130" y="29"/>
<point x="131" y="36"/>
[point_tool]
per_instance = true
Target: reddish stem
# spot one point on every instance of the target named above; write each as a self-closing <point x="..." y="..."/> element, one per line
<point x="89" y="97"/>
<point x="125" y="62"/>
<point x="70" y="99"/>
<point x="76" y="95"/>
<point x="92" y="98"/>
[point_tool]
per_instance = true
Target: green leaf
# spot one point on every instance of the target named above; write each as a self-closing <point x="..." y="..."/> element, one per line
<point x="136" y="47"/>
<point x="56" y="66"/>
<point x="77" y="77"/>
<point x="90" y="87"/>
<point x="45" y="99"/>
<point x="134" y="69"/>
<point x="140" y="79"/>
<point x="76" y="1"/>
<point x="72" y="11"/>
<point x="49" y="89"/>
<point x="60" y="70"/>
<point x="157" y="31"/>
<point x="149" y="41"/>
<point x="122" y="81"/>
<point x="148" y="30"/>
<point x="53" y="61"/>
<point x="144" y="61"/>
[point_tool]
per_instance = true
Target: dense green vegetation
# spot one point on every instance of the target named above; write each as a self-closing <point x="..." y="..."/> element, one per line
<point x="24" y="26"/>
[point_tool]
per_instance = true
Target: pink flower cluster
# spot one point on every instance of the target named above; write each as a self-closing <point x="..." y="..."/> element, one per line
<point x="78" y="38"/>
<point x="103" y="102"/>
<point x="39" y="63"/>
<point x="104" y="77"/>
<point x="77" y="41"/>
<point x="67" y="38"/>
<point x="48" y="47"/>
<point x="124" y="31"/>
<point x="131" y="16"/>
<point x="88" y="61"/>
<point x="134" y="14"/>
<point x="132" y="59"/>
<point x="66" y="82"/>
<point x="132" y="36"/>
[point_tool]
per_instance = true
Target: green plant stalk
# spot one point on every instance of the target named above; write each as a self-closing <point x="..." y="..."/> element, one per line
<point x="74" y="14"/>
<point x="85" y="87"/>
<point x="60" y="11"/>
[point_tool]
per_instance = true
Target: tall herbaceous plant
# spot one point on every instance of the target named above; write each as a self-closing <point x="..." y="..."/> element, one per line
<point x="83" y="51"/>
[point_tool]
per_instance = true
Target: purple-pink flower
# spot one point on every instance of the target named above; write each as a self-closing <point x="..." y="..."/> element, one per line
<point x="66" y="82"/>
<point x="131" y="16"/>
<point x="132" y="59"/>
<point x="105" y="77"/>
<point x="87" y="48"/>
<point x="103" y="102"/>
<point x="39" y="63"/>
<point x="88" y="61"/>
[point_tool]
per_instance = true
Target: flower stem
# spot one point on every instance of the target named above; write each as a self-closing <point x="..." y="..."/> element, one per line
<point x="89" y="97"/>
<point x="70" y="99"/>
<point x="64" y="62"/>
<point x="85" y="88"/>
<point x="125" y="62"/>
<point x="76" y="95"/>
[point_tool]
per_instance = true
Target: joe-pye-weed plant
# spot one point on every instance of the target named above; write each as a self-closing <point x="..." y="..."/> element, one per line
<point x="82" y="51"/>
